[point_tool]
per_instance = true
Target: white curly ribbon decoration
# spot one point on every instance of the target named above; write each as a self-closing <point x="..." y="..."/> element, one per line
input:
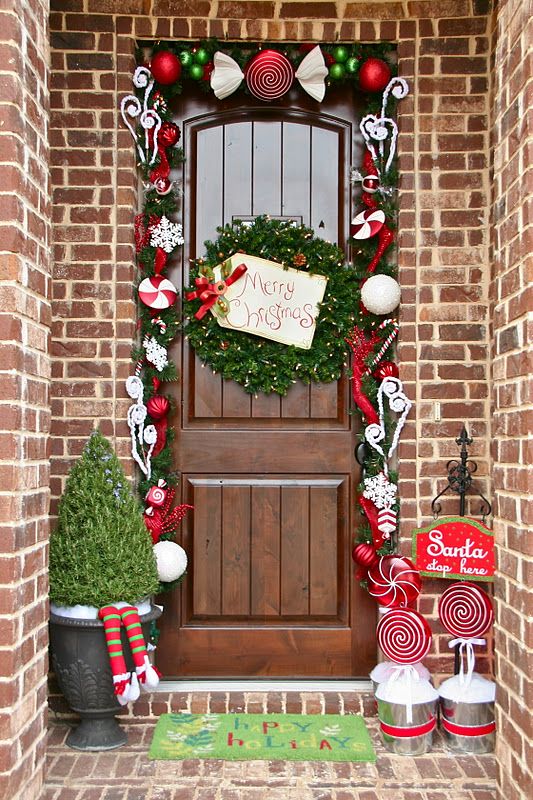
<point x="130" y="107"/>
<point x="140" y="435"/>
<point x="392" y="388"/>
<point x="384" y="129"/>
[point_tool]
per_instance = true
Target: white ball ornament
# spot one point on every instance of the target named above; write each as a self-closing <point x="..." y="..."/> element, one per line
<point x="171" y="561"/>
<point x="380" y="294"/>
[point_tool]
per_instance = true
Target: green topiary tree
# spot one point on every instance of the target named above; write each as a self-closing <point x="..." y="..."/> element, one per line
<point x="100" y="551"/>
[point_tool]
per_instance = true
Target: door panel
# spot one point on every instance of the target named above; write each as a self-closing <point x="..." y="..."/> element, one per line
<point x="269" y="590"/>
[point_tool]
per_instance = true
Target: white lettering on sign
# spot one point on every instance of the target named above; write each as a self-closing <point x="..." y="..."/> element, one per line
<point x="273" y="302"/>
<point x="467" y="550"/>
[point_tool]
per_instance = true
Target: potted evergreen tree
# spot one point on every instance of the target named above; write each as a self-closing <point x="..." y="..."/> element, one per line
<point x="102" y="565"/>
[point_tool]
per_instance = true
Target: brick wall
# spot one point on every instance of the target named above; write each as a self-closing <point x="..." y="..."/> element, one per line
<point x="24" y="394"/>
<point x="511" y="300"/>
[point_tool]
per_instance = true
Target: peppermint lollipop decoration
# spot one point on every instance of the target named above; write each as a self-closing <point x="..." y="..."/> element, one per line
<point x="404" y="636"/>
<point x="465" y="610"/>
<point x="157" y="292"/>
<point x="367" y="223"/>
<point x="269" y="75"/>
<point x="394" y="581"/>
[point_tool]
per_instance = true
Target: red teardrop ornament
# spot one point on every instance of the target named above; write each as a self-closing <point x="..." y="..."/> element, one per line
<point x="168" y="135"/>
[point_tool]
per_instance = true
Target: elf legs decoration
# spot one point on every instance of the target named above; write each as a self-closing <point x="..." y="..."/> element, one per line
<point x="126" y="690"/>
<point x="126" y="684"/>
<point x="147" y="674"/>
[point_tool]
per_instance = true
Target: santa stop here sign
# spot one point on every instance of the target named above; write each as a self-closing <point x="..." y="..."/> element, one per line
<point x="455" y="547"/>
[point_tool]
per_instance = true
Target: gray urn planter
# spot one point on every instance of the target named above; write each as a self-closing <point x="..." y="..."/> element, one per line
<point x="81" y="664"/>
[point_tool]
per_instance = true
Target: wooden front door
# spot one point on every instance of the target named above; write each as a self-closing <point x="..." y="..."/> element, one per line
<point x="270" y="590"/>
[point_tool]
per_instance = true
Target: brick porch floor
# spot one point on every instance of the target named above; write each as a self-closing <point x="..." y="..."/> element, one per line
<point x="127" y="773"/>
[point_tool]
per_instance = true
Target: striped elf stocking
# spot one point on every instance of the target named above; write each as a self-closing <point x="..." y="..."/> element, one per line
<point x="147" y="674"/>
<point x="126" y="690"/>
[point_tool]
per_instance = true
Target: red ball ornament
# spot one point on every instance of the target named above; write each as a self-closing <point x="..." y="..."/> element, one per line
<point x="387" y="369"/>
<point x="169" y="134"/>
<point x="394" y="581"/>
<point x="269" y="75"/>
<point x="158" y="406"/>
<point x="165" y="67"/>
<point x="374" y="75"/>
<point x="365" y="554"/>
<point x="208" y="69"/>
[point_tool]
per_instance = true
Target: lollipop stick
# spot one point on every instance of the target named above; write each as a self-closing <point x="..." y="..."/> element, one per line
<point x="457" y="660"/>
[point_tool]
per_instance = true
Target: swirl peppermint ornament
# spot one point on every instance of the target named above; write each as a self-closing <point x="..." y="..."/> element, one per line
<point x="394" y="581"/>
<point x="269" y="75"/>
<point x="157" y="292"/>
<point x="404" y="636"/>
<point x="367" y="223"/>
<point x="465" y="610"/>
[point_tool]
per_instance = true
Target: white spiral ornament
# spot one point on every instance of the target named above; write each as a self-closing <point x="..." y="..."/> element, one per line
<point x="392" y="389"/>
<point x="140" y="435"/>
<point x="148" y="118"/>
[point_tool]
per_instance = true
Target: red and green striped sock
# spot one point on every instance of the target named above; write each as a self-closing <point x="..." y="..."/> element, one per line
<point x="148" y="675"/>
<point x="110" y="617"/>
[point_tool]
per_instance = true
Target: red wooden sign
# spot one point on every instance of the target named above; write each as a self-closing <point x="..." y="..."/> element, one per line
<point x="455" y="547"/>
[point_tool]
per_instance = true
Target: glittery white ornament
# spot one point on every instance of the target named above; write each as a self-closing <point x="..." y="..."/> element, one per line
<point x="167" y="235"/>
<point x="380" y="490"/>
<point x="171" y="561"/>
<point x="156" y="354"/>
<point x="380" y="294"/>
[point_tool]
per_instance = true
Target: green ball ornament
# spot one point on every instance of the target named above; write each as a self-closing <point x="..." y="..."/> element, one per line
<point x="340" y="53"/>
<point x="351" y="65"/>
<point x="201" y="56"/>
<point x="337" y="72"/>
<point x="196" y="72"/>
<point x="186" y="58"/>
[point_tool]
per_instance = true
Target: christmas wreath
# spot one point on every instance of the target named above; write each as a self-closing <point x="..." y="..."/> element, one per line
<point x="258" y="364"/>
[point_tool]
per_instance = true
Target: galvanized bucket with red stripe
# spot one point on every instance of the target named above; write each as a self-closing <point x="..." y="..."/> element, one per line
<point x="467" y="715"/>
<point x="407" y="710"/>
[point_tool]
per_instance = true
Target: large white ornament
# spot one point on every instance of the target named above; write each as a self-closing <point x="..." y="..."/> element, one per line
<point x="380" y="294"/>
<point x="167" y="235"/>
<point x="171" y="561"/>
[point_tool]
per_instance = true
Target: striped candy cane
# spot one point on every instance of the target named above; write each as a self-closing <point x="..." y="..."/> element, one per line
<point x="388" y="341"/>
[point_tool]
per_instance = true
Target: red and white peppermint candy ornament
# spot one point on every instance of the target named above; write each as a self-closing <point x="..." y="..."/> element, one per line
<point x="394" y="581"/>
<point x="404" y="636"/>
<point x="269" y="75"/>
<point x="465" y="610"/>
<point x="157" y="495"/>
<point x="367" y="223"/>
<point x="157" y="292"/>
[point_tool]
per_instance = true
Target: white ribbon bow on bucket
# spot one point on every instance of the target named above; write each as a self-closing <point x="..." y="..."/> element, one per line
<point x="411" y="674"/>
<point x="468" y="646"/>
<point x="227" y="75"/>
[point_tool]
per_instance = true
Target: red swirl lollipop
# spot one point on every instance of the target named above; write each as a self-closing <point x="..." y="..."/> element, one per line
<point x="394" y="581"/>
<point x="269" y="75"/>
<point x="404" y="636"/>
<point x="465" y="610"/>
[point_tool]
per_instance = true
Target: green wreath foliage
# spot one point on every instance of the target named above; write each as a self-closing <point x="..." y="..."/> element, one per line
<point x="258" y="364"/>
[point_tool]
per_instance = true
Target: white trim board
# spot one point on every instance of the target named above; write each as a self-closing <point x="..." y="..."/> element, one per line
<point x="322" y="686"/>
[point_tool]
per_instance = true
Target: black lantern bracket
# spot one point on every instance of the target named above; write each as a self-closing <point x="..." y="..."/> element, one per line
<point x="460" y="482"/>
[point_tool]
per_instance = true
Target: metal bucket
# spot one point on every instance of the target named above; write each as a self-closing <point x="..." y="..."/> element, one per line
<point x="407" y="738"/>
<point x="468" y="727"/>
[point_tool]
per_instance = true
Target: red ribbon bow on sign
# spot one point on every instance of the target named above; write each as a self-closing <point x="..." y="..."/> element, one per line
<point x="209" y="293"/>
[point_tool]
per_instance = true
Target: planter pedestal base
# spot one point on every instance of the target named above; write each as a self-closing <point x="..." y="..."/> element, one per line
<point x="97" y="734"/>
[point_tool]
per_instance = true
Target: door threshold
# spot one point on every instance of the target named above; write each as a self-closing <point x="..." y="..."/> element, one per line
<point x="228" y="685"/>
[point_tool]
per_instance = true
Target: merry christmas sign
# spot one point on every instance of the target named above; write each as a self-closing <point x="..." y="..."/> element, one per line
<point x="272" y="302"/>
<point x="455" y="547"/>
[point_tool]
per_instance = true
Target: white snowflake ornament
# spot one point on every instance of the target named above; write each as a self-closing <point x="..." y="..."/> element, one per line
<point x="167" y="235"/>
<point x="156" y="354"/>
<point x="380" y="490"/>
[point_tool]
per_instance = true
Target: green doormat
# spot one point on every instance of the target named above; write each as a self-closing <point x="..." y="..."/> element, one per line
<point x="269" y="737"/>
